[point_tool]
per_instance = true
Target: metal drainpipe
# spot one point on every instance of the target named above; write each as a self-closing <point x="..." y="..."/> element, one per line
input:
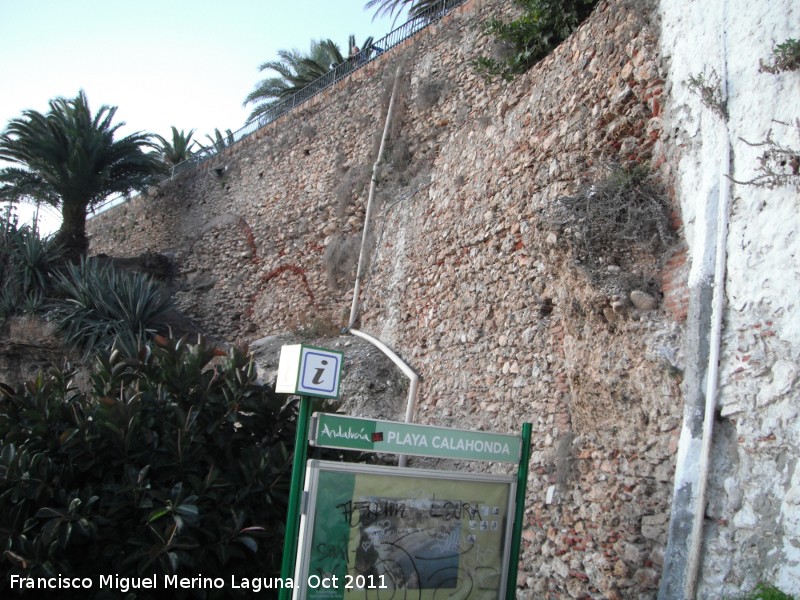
<point x="712" y="374"/>
<point x="368" y="217"/>
<point x="412" y="376"/>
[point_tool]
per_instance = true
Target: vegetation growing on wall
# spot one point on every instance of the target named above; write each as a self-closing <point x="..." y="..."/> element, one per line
<point x="340" y="260"/>
<point x="176" y="462"/>
<point x="708" y="87"/>
<point x="610" y="222"/>
<point x="526" y="40"/>
<point x="429" y="93"/>
<point x="779" y="164"/>
<point x="764" y="591"/>
<point x="785" y="57"/>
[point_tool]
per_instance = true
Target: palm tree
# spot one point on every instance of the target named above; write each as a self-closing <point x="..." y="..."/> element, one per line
<point x="69" y="158"/>
<point x="219" y="141"/>
<point x="295" y="70"/>
<point x="415" y="8"/>
<point x="179" y="149"/>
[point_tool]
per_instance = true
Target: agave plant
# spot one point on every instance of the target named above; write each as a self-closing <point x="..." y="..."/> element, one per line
<point x="36" y="259"/>
<point x="101" y="304"/>
<point x="9" y="301"/>
<point x="27" y="266"/>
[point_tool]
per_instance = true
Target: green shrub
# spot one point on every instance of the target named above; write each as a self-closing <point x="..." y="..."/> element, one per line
<point x="768" y="592"/>
<point x="785" y="57"/>
<point x="543" y="25"/>
<point x="176" y="462"/>
<point x="101" y="304"/>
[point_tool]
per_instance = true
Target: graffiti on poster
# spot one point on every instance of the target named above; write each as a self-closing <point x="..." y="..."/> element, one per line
<point x="427" y="534"/>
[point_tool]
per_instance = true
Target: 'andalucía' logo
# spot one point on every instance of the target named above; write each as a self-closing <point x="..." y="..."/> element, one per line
<point x="347" y="434"/>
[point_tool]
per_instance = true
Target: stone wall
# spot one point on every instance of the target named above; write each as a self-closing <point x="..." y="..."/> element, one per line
<point x="484" y="296"/>
<point x="28" y="346"/>
<point x="267" y="228"/>
<point x="473" y="279"/>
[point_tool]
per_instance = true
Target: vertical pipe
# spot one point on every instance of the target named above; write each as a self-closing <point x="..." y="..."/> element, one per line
<point x="712" y="375"/>
<point x="295" y="493"/>
<point x="364" y="236"/>
<point x="519" y="512"/>
<point x="694" y="558"/>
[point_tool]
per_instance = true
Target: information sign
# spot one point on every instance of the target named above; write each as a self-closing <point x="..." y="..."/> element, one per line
<point x="372" y="532"/>
<point x="369" y="435"/>
<point x="309" y="371"/>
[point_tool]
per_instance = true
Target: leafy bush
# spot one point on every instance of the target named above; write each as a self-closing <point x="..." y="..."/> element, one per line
<point x="176" y="462"/>
<point x="101" y="304"/>
<point x="543" y="25"/>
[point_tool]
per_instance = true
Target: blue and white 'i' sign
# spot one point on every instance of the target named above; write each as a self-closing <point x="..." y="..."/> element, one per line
<point x="319" y="372"/>
<point x="309" y="371"/>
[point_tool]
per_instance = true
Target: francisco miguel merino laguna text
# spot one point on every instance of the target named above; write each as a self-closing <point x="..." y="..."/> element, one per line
<point x="254" y="584"/>
<point x="152" y="582"/>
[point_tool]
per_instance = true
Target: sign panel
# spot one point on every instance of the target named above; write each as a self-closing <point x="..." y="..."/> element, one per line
<point x="352" y="433"/>
<point x="309" y="371"/>
<point x="372" y="532"/>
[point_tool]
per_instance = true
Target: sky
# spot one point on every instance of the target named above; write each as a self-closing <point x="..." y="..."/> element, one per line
<point x="161" y="62"/>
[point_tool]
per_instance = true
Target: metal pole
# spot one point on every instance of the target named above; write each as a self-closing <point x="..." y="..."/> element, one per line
<point x="295" y="494"/>
<point x="519" y="512"/>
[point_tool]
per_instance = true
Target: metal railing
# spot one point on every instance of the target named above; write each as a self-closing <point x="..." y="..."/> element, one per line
<point x="394" y="38"/>
<point x="336" y="74"/>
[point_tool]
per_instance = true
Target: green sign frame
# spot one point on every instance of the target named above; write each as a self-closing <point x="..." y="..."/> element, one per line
<point x="374" y="531"/>
<point x="392" y="437"/>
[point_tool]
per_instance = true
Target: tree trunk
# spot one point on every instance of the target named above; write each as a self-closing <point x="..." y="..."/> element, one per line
<point x="72" y="234"/>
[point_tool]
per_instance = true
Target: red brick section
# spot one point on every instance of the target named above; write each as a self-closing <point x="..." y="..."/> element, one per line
<point x="674" y="284"/>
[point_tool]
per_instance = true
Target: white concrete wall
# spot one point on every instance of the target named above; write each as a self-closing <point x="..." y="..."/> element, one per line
<point x="752" y="527"/>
